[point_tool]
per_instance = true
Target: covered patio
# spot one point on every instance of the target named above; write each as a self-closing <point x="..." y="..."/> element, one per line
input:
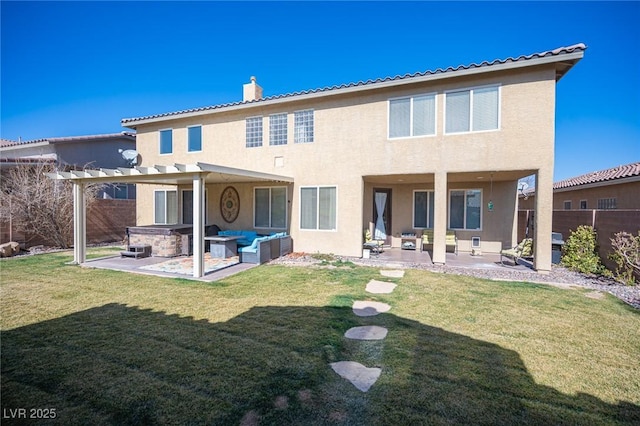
<point x="196" y="175"/>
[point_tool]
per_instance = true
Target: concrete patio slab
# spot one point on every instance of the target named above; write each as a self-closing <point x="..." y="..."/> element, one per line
<point x="368" y="308"/>
<point x="367" y="332"/>
<point x="359" y="375"/>
<point x="380" y="287"/>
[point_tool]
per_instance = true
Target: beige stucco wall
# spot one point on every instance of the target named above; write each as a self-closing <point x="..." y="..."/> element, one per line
<point x="351" y="142"/>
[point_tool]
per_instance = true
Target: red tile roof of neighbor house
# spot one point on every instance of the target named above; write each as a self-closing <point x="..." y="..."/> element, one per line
<point x="580" y="47"/>
<point x="128" y="135"/>
<point x="614" y="173"/>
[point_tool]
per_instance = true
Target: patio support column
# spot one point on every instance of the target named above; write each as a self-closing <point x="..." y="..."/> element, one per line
<point x="198" y="226"/>
<point x="543" y="220"/>
<point x="79" y="224"/>
<point x="440" y="218"/>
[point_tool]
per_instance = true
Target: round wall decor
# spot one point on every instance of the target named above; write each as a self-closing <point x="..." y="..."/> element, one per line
<point x="229" y="204"/>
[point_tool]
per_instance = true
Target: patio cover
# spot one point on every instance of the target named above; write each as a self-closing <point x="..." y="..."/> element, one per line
<point x="197" y="174"/>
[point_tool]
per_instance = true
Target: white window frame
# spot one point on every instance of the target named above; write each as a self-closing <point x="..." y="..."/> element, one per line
<point x="301" y="118"/>
<point x="246" y="132"/>
<point x="279" y="130"/>
<point x="166" y="215"/>
<point x="411" y="115"/>
<point x="464" y="216"/>
<point x="160" y="141"/>
<point x="610" y="203"/>
<point x="585" y="205"/>
<point x="413" y="212"/>
<point x="471" y="92"/>
<point x="286" y="213"/>
<point x="189" y="150"/>
<point x="565" y="203"/>
<point x="317" y="228"/>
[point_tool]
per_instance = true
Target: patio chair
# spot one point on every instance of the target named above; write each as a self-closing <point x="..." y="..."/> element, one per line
<point x="376" y="246"/>
<point x="523" y="249"/>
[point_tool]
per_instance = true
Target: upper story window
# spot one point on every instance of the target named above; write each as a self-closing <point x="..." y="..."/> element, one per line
<point x="472" y="110"/>
<point x="465" y="209"/>
<point x="318" y="208"/>
<point x="567" y="205"/>
<point x="303" y="126"/>
<point x="166" y="141"/>
<point x="254" y="131"/>
<point x="270" y="206"/>
<point x="583" y="204"/>
<point x="194" y="138"/>
<point x="278" y="129"/>
<point x="413" y="116"/>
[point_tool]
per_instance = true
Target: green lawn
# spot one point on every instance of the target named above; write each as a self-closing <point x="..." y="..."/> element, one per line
<point x="105" y="347"/>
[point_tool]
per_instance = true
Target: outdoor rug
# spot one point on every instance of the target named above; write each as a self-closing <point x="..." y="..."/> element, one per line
<point x="184" y="265"/>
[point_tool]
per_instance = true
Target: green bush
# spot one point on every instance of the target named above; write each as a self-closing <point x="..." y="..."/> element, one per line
<point x="626" y="254"/>
<point x="580" y="251"/>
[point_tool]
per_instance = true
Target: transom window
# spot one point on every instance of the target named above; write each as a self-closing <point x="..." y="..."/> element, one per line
<point x="423" y="209"/>
<point x="318" y="208"/>
<point x="165" y="207"/>
<point x="472" y="110"/>
<point x="166" y="141"/>
<point x="254" y="131"/>
<point x="194" y="138"/>
<point x="465" y="209"/>
<point x="270" y="207"/>
<point x="413" y="116"/>
<point x="278" y="129"/>
<point x="303" y="126"/>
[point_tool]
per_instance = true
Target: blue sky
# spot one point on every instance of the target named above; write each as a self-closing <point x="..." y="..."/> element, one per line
<point x="78" y="68"/>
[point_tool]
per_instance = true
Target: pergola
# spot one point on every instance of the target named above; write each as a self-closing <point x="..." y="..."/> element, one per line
<point x="198" y="175"/>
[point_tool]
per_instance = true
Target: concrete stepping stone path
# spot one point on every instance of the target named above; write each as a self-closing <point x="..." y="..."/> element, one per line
<point x="380" y="287"/>
<point x="392" y="273"/>
<point x="367" y="332"/>
<point x="360" y="376"/>
<point x="367" y="308"/>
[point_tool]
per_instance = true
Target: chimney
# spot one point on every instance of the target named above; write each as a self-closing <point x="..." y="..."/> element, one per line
<point x="251" y="91"/>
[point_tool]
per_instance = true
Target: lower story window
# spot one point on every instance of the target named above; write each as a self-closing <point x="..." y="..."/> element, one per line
<point x="423" y="209"/>
<point x="187" y="206"/>
<point x="165" y="207"/>
<point x="318" y="208"/>
<point x="270" y="207"/>
<point x="465" y="209"/>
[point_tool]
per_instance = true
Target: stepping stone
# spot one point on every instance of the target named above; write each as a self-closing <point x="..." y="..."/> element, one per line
<point x="397" y="273"/>
<point x="380" y="287"/>
<point x="360" y="376"/>
<point x="368" y="332"/>
<point x="369" y="309"/>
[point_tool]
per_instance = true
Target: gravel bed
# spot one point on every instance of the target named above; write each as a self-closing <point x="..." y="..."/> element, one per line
<point x="558" y="276"/>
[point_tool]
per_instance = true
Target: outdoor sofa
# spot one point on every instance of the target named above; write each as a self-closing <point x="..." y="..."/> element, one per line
<point x="264" y="248"/>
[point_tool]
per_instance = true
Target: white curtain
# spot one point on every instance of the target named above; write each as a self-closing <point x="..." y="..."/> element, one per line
<point x="380" y="232"/>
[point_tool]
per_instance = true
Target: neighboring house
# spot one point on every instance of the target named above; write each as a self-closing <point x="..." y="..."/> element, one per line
<point x="430" y="150"/>
<point x="615" y="188"/>
<point x="73" y="153"/>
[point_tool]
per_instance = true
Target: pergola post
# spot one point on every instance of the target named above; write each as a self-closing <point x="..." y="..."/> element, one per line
<point x="198" y="226"/>
<point x="440" y="218"/>
<point x="79" y="224"/>
<point x="543" y="219"/>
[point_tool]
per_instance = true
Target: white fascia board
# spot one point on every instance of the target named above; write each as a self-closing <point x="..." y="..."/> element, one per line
<point x="575" y="56"/>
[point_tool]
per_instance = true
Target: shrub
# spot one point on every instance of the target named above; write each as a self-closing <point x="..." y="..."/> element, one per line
<point x="580" y="251"/>
<point x="626" y="254"/>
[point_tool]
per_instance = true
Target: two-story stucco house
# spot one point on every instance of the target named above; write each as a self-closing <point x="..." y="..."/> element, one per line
<point x="436" y="150"/>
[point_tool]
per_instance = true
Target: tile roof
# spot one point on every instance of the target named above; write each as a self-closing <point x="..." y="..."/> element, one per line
<point x="554" y="52"/>
<point x="614" y="173"/>
<point x="129" y="135"/>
